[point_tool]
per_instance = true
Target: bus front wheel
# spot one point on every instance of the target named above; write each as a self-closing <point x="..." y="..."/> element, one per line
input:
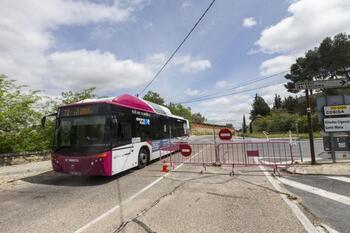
<point x="143" y="158"/>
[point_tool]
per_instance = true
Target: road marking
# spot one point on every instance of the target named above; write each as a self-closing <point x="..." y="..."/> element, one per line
<point x="110" y="211"/>
<point x="341" y="178"/>
<point x="321" y="192"/>
<point x="309" y="227"/>
<point x="329" y="229"/>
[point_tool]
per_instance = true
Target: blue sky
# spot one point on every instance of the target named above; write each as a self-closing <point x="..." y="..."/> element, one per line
<point x="118" y="45"/>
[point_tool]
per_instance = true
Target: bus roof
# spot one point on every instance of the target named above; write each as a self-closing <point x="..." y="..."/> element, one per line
<point x="132" y="102"/>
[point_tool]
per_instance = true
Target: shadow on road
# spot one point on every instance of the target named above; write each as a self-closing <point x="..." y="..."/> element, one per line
<point x="59" y="179"/>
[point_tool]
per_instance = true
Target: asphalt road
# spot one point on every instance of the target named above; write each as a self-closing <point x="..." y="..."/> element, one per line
<point x="326" y="209"/>
<point x="184" y="200"/>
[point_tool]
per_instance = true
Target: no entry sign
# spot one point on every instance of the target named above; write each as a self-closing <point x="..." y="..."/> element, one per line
<point x="185" y="149"/>
<point x="225" y="134"/>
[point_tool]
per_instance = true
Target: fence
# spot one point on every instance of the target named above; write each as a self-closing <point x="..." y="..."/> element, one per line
<point x="267" y="153"/>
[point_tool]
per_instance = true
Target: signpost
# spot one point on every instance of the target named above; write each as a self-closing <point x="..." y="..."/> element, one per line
<point x="322" y="84"/>
<point x="318" y="84"/>
<point x="341" y="124"/>
<point x="185" y="149"/>
<point x="336" y="110"/>
<point x="225" y="134"/>
<point x="334" y="114"/>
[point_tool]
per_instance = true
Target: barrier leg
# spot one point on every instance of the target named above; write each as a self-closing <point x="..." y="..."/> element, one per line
<point x="205" y="169"/>
<point x="275" y="170"/>
<point x="232" y="173"/>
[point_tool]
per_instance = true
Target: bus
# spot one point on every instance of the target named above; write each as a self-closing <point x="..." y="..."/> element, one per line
<point x="103" y="137"/>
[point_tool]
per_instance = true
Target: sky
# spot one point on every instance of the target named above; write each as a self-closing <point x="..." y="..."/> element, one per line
<point x="118" y="45"/>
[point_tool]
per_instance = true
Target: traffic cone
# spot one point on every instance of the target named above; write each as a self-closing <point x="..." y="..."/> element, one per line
<point x="165" y="167"/>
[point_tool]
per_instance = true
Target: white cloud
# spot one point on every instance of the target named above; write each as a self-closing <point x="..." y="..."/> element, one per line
<point x="82" y="68"/>
<point x="26" y="32"/>
<point x="192" y="92"/>
<point x="310" y="21"/>
<point x="276" y="65"/>
<point x="186" y="4"/>
<point x="230" y="109"/>
<point x="221" y="83"/>
<point x="249" y="22"/>
<point x="186" y="62"/>
<point x="192" y="65"/>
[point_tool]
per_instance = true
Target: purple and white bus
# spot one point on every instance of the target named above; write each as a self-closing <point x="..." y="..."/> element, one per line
<point x="104" y="137"/>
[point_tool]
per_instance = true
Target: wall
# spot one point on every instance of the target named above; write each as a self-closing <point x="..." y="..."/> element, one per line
<point x="21" y="158"/>
<point x="207" y="129"/>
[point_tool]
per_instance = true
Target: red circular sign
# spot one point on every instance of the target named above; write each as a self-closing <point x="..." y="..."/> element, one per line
<point x="225" y="134"/>
<point x="185" y="149"/>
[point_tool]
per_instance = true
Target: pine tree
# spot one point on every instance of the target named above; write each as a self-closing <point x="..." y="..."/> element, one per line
<point x="244" y="126"/>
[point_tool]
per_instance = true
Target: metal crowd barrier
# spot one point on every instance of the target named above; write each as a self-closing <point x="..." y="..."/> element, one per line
<point x="275" y="154"/>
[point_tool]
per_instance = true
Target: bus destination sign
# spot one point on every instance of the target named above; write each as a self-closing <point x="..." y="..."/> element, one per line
<point x="79" y="111"/>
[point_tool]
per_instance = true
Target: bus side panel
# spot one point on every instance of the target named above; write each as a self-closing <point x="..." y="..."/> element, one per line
<point x="123" y="158"/>
<point x="126" y="157"/>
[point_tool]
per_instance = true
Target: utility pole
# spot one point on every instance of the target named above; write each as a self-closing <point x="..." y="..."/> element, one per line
<point x="309" y="124"/>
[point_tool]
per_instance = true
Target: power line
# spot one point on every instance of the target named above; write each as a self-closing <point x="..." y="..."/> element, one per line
<point x="232" y="93"/>
<point x="238" y="86"/>
<point x="177" y="49"/>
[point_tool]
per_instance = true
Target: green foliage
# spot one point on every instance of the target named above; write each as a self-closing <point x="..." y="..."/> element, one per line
<point x="277" y="103"/>
<point x="259" y="107"/>
<point x="244" y="125"/>
<point x="180" y="110"/>
<point x="197" y="118"/>
<point x="18" y="117"/>
<point x="328" y="61"/>
<point x="289" y="104"/>
<point x="69" y="97"/>
<point x="154" y="97"/>
<point x="280" y="121"/>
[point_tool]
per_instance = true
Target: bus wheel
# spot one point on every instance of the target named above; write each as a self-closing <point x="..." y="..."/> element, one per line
<point x="143" y="158"/>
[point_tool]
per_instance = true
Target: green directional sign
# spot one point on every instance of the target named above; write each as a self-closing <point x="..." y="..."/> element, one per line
<point x="322" y="84"/>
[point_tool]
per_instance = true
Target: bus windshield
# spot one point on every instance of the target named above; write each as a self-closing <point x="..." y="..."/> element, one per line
<point x="82" y="134"/>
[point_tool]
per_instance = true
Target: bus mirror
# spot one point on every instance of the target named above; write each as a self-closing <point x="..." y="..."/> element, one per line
<point x="43" y="120"/>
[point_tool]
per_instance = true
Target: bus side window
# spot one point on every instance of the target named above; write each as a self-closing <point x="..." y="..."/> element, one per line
<point x="121" y="132"/>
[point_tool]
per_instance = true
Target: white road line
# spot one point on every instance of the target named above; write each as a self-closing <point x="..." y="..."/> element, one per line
<point x="110" y="211"/>
<point x="329" y="229"/>
<point x="321" y="192"/>
<point x="309" y="227"/>
<point x="341" y="178"/>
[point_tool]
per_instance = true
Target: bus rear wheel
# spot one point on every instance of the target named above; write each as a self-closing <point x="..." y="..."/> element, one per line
<point x="143" y="158"/>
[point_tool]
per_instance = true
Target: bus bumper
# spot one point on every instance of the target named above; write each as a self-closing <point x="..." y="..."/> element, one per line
<point x="91" y="165"/>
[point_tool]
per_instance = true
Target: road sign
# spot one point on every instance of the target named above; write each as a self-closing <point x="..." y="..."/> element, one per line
<point x="185" y="149"/>
<point x="336" y="110"/>
<point x="322" y="84"/>
<point x="225" y="134"/>
<point x="340" y="124"/>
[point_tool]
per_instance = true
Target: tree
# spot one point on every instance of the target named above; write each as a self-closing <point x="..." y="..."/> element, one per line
<point x="244" y="125"/>
<point x="289" y="104"/>
<point x="154" y="97"/>
<point x="19" y="120"/>
<point x="330" y="60"/>
<point x="277" y="104"/>
<point x="229" y="125"/>
<point x="197" y="118"/>
<point x="69" y="97"/>
<point x="180" y="110"/>
<point x="259" y="107"/>
<point x="16" y="106"/>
